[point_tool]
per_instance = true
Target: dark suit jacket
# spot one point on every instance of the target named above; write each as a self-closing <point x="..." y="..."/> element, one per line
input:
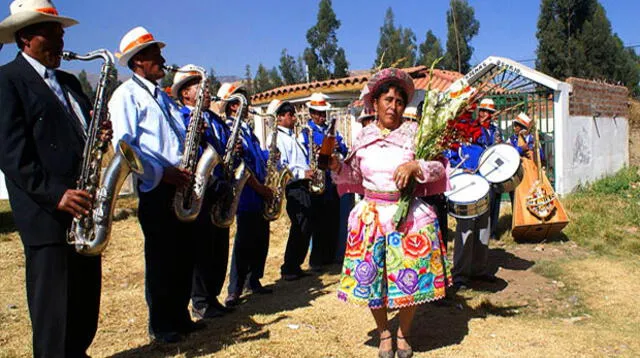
<point x="41" y="147"/>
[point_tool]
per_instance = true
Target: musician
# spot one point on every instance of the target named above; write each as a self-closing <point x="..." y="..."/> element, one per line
<point x="526" y="146"/>
<point x="147" y="119"/>
<point x="293" y="155"/>
<point x="251" y="244"/>
<point x="43" y="125"/>
<point x="491" y="135"/>
<point x="326" y="206"/>
<point x="471" y="241"/>
<point x="367" y="116"/>
<point x="212" y="242"/>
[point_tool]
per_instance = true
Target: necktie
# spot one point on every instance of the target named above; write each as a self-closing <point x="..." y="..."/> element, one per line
<point x="166" y="108"/>
<point x="52" y="82"/>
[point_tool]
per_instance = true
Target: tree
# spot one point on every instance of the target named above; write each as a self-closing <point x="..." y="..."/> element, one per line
<point x="167" y="80"/>
<point x="261" y="81"/>
<point x="430" y="50"/>
<point x="396" y="46"/>
<point x="248" y="82"/>
<point x="323" y="48"/>
<point x="575" y="39"/>
<point x="86" y="86"/>
<point x="214" y="84"/>
<point x="290" y="69"/>
<point x="274" y="78"/>
<point x="341" y="66"/>
<point x="462" y="26"/>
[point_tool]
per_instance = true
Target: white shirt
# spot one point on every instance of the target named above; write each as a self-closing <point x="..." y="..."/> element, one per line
<point x="51" y="81"/>
<point x="140" y="122"/>
<point x="293" y="154"/>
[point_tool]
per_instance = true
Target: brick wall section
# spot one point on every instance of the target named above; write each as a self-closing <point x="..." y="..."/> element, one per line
<point x="589" y="97"/>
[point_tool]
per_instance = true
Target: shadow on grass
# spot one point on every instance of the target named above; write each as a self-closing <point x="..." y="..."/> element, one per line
<point x="444" y="323"/>
<point x="239" y="326"/>
<point x="7" y="224"/>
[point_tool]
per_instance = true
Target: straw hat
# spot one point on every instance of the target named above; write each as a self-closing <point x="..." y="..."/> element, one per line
<point x="411" y="112"/>
<point x="134" y="41"/>
<point x="399" y="77"/>
<point x="523" y="120"/>
<point x="274" y="106"/>
<point x="185" y="74"/>
<point x="30" y="12"/>
<point x="318" y="101"/>
<point x="367" y="113"/>
<point x="461" y="89"/>
<point x="226" y="90"/>
<point x="488" y="105"/>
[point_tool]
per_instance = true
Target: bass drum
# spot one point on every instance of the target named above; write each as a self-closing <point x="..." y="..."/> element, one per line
<point x="468" y="197"/>
<point x="500" y="165"/>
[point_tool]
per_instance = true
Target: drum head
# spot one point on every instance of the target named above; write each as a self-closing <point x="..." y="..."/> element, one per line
<point x="499" y="163"/>
<point x="467" y="188"/>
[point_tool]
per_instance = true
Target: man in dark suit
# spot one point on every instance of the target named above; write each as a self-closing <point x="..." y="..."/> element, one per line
<point x="42" y="135"/>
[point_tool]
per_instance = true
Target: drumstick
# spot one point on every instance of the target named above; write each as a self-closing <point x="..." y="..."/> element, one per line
<point x="461" y="188"/>
<point x="464" y="159"/>
<point x="483" y="161"/>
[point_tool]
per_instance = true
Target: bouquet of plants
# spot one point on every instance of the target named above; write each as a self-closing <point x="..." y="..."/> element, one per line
<point x="436" y="130"/>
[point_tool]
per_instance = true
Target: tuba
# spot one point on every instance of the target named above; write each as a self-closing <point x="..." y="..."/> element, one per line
<point x="90" y="233"/>
<point x="235" y="171"/>
<point x="276" y="179"/>
<point x="187" y="201"/>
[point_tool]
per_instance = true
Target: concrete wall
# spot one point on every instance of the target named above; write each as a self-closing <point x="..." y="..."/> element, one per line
<point x="594" y="148"/>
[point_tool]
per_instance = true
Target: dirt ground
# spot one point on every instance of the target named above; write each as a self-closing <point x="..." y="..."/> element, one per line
<point x="552" y="299"/>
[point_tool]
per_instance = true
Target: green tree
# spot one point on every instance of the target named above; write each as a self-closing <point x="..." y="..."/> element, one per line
<point x="290" y="69"/>
<point x="86" y="86"/>
<point x="575" y="39"/>
<point x="167" y="80"/>
<point x="323" y="48"/>
<point x="396" y="46"/>
<point x="262" y="79"/>
<point x="274" y="78"/>
<point x="214" y="84"/>
<point x="430" y="50"/>
<point x="462" y="26"/>
<point x="248" y="82"/>
<point x="341" y="66"/>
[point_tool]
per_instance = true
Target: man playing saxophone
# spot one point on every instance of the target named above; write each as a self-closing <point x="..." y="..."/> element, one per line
<point x="43" y="125"/>
<point x="293" y="155"/>
<point x="146" y="118"/>
<point x="211" y="242"/>
<point x="251" y="243"/>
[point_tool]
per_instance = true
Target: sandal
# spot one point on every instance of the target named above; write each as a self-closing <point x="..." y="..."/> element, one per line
<point x="386" y="354"/>
<point x="405" y="353"/>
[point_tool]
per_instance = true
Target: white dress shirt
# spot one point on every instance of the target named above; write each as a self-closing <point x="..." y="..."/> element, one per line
<point x="49" y="77"/>
<point x="139" y="120"/>
<point x="293" y="154"/>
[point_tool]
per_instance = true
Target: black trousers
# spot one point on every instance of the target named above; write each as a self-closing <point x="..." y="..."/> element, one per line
<point x="326" y="224"/>
<point x="63" y="294"/>
<point x="250" y="249"/>
<point x="439" y="203"/>
<point x="300" y="213"/>
<point x="211" y="255"/>
<point x="168" y="260"/>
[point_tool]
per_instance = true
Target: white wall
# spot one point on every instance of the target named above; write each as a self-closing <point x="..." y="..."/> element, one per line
<point x="593" y="148"/>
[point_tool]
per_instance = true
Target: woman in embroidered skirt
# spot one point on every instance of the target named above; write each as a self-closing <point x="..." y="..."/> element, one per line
<point x="384" y="267"/>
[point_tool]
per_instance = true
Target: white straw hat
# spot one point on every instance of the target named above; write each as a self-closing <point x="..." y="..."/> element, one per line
<point x="30" y="12"/>
<point x="134" y="41"/>
<point x="226" y="90"/>
<point x="318" y="101"/>
<point x="185" y="74"/>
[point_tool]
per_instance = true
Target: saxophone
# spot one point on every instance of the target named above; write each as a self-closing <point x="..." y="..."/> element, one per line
<point x="317" y="183"/>
<point x="276" y="179"/>
<point x="187" y="201"/>
<point x="235" y="172"/>
<point x="90" y="233"/>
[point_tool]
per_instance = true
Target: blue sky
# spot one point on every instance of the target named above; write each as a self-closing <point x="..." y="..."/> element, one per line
<point x="214" y="34"/>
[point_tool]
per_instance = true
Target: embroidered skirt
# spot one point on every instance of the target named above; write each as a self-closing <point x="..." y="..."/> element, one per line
<point x="388" y="268"/>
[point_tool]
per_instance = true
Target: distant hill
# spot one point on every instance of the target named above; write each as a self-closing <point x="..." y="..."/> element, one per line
<point x="124" y="74"/>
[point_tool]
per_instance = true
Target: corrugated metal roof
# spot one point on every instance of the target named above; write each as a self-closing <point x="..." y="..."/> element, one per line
<point x="441" y="81"/>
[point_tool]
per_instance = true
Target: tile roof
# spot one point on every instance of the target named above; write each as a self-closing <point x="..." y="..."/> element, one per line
<point x="441" y="81"/>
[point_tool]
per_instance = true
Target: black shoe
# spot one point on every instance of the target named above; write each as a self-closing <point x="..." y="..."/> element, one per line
<point x="262" y="290"/>
<point x="295" y="276"/>
<point x="460" y="286"/>
<point x="191" y="327"/>
<point x="232" y="300"/>
<point x="166" y="337"/>
<point x="220" y="307"/>
<point x="206" y="312"/>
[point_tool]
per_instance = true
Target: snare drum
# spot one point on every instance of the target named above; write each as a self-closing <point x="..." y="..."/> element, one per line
<point x="500" y="165"/>
<point x="468" y="197"/>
